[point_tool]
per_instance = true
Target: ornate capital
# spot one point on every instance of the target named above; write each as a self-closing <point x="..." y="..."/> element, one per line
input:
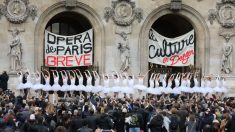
<point x="224" y="13"/>
<point x="176" y="5"/>
<point x="17" y="11"/>
<point x="123" y="12"/>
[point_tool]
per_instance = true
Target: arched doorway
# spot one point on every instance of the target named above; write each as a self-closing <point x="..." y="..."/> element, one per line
<point x="191" y="16"/>
<point x="57" y="10"/>
<point x="172" y="26"/>
<point x="87" y="16"/>
<point x="68" y="24"/>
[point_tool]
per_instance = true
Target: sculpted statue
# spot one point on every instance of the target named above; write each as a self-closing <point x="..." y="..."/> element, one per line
<point x="15" y="51"/>
<point x="226" y="58"/>
<point x="124" y="49"/>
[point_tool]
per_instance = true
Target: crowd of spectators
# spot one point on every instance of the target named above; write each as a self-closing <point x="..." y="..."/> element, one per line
<point x="163" y="113"/>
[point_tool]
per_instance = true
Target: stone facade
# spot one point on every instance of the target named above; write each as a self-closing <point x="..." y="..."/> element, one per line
<point x="209" y="42"/>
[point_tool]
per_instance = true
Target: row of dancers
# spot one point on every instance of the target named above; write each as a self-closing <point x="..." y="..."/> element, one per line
<point x="121" y="82"/>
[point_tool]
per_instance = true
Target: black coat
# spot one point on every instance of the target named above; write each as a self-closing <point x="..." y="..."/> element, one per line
<point x="3" y="81"/>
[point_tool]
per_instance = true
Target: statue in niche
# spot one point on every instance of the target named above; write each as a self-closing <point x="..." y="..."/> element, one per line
<point x="123" y="47"/>
<point x="15" y="51"/>
<point x="226" y="58"/>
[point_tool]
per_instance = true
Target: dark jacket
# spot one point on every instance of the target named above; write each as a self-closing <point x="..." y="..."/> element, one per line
<point x="182" y="113"/>
<point x="3" y="81"/>
<point x="230" y="126"/>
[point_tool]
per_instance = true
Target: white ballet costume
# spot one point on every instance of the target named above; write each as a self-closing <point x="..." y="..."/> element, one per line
<point x="72" y="86"/>
<point x="140" y="86"/>
<point x="28" y="84"/>
<point x="224" y="86"/>
<point x="203" y="88"/>
<point x="20" y="82"/>
<point x="65" y="86"/>
<point x="208" y="87"/>
<point x="38" y="85"/>
<point x="168" y="89"/>
<point x="125" y="88"/>
<point x="217" y="88"/>
<point x="150" y="89"/>
<point x="56" y="86"/>
<point x="116" y="87"/>
<point x="196" y="88"/>
<point x="163" y="87"/>
<point x="97" y="88"/>
<point x="89" y="86"/>
<point x="80" y="86"/>
<point x="189" y="89"/>
<point x="183" y="87"/>
<point x="176" y="89"/>
<point x="131" y="86"/>
<point x="106" y="88"/>
<point x="47" y="86"/>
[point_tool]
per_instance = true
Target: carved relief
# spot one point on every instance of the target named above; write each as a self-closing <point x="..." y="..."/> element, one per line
<point x="17" y="11"/>
<point x="225" y="13"/>
<point x="123" y="12"/>
<point x="176" y="4"/>
<point x="70" y="3"/>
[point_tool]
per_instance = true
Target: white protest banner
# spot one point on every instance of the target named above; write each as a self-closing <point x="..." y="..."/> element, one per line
<point x="177" y="51"/>
<point x="68" y="51"/>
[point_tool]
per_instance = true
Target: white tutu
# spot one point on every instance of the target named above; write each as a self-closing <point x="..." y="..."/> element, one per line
<point x="116" y="89"/>
<point x="155" y="91"/>
<point x="168" y="90"/>
<point x="20" y="86"/>
<point x="80" y="87"/>
<point x="28" y="85"/>
<point x="72" y="87"/>
<point x="56" y="87"/>
<point x="196" y="89"/>
<point x="224" y="90"/>
<point x="184" y="89"/>
<point x="88" y="88"/>
<point x="190" y="90"/>
<point x="38" y="86"/>
<point x="47" y="87"/>
<point x="106" y="90"/>
<point x="217" y="90"/>
<point x="209" y="89"/>
<point x="65" y="88"/>
<point x="128" y="90"/>
<point x="97" y="89"/>
<point x="176" y="90"/>
<point x="140" y="87"/>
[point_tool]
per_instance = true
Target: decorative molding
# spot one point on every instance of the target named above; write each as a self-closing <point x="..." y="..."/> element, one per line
<point x="17" y="11"/>
<point x="224" y="13"/>
<point x="123" y="12"/>
<point x="227" y="33"/>
<point x="176" y="5"/>
<point x="69" y="4"/>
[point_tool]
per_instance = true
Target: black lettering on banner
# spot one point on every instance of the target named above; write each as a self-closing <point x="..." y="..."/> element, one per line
<point x="152" y="36"/>
<point x="50" y="49"/>
<point x="77" y="38"/>
<point x="87" y="48"/>
<point x="168" y="49"/>
<point x="60" y="39"/>
<point x="49" y="37"/>
<point x="75" y="50"/>
<point x="69" y="41"/>
<point x="87" y="36"/>
<point x="67" y="51"/>
<point x="59" y="48"/>
<point x="159" y="52"/>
